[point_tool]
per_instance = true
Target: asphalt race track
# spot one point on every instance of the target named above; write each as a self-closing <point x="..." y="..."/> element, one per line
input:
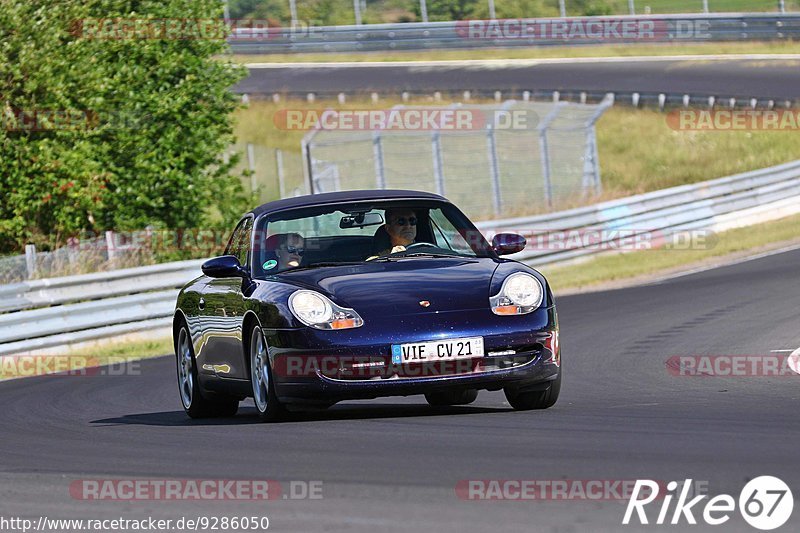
<point x="762" y="78"/>
<point x="393" y="464"/>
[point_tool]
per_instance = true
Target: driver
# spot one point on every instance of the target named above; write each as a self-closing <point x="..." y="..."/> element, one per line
<point x="401" y="225"/>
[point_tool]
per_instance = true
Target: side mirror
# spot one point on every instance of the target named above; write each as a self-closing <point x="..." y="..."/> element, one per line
<point x="226" y="266"/>
<point x="508" y="243"/>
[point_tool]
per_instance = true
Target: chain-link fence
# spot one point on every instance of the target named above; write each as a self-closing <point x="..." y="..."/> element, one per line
<point x="272" y="173"/>
<point x="109" y="251"/>
<point x="492" y="160"/>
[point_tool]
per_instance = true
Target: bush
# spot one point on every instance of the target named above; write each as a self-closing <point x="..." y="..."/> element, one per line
<point x="111" y="133"/>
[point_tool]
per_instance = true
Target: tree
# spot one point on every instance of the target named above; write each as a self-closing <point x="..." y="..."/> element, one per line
<point x="107" y="129"/>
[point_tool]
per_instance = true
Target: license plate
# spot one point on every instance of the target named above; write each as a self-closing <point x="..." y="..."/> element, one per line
<point x="444" y="350"/>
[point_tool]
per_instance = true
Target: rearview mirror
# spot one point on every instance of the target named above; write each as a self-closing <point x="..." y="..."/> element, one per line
<point x="508" y="243"/>
<point x="359" y="220"/>
<point x="226" y="266"/>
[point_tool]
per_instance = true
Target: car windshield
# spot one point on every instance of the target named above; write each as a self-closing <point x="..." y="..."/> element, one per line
<point x="357" y="233"/>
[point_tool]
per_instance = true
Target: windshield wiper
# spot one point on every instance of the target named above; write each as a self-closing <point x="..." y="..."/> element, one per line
<point x="430" y="254"/>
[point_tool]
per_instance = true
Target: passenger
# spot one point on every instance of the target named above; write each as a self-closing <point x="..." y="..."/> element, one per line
<point x="288" y="249"/>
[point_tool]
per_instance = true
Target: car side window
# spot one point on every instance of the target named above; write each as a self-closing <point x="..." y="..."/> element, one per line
<point x="448" y="234"/>
<point x="239" y="245"/>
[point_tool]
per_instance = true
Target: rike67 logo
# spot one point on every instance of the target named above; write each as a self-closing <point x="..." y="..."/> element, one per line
<point x="765" y="503"/>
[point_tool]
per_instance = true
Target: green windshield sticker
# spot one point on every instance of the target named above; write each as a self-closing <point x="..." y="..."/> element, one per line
<point x="270" y="264"/>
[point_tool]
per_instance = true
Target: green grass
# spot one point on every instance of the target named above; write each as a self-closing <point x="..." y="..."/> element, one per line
<point x="616" y="267"/>
<point x="118" y="351"/>
<point x="639" y="152"/>
<point x="611" y="50"/>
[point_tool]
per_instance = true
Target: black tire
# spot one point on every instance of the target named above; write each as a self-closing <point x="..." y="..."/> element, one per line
<point x="450" y="397"/>
<point x="543" y="399"/>
<point x="195" y="403"/>
<point x="269" y="408"/>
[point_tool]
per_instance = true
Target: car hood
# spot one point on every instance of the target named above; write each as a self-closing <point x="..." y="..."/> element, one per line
<point x="397" y="287"/>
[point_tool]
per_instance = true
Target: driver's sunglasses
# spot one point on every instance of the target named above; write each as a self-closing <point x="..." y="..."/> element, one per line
<point x="412" y="221"/>
<point x="295" y="250"/>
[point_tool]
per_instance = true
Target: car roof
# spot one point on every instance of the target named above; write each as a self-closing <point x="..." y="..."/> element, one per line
<point x="312" y="200"/>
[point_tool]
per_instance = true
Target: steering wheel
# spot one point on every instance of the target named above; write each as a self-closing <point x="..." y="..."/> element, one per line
<point x="407" y="248"/>
<point x="418" y="244"/>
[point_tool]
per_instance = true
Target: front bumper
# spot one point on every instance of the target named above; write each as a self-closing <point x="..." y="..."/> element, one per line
<point x="312" y="366"/>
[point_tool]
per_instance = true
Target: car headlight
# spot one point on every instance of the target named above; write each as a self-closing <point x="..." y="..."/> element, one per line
<point x="315" y="310"/>
<point x="521" y="293"/>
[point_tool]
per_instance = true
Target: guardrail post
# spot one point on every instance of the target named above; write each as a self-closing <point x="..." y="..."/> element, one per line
<point x="492" y="14"/>
<point x="631" y="7"/>
<point x="357" y="9"/>
<point x="251" y="164"/>
<point x="545" y="153"/>
<point x="111" y="248"/>
<point x="438" y="173"/>
<point x="562" y="8"/>
<point x="423" y="9"/>
<point x="308" y="166"/>
<point x="308" y="170"/>
<point x="30" y="259"/>
<point x="279" y="169"/>
<point x="782" y="6"/>
<point x="548" y="186"/>
<point x="494" y="169"/>
<point x="705" y="6"/>
<point x="592" y="171"/>
<point x="591" y="165"/>
<point x="377" y="151"/>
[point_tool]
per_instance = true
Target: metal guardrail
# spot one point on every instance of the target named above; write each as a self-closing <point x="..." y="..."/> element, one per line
<point x="47" y="313"/>
<point x="655" y="217"/>
<point x="578" y="31"/>
<point x="67" y="289"/>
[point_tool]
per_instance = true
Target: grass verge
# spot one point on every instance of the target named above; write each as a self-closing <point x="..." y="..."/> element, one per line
<point x="124" y="350"/>
<point x="545" y="52"/>
<point x="635" y="266"/>
<point x="73" y="360"/>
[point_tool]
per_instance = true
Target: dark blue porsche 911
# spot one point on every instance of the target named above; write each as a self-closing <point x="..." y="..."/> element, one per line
<point x="361" y="294"/>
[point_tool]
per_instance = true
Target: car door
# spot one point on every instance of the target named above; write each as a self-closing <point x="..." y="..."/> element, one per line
<point x="224" y="308"/>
